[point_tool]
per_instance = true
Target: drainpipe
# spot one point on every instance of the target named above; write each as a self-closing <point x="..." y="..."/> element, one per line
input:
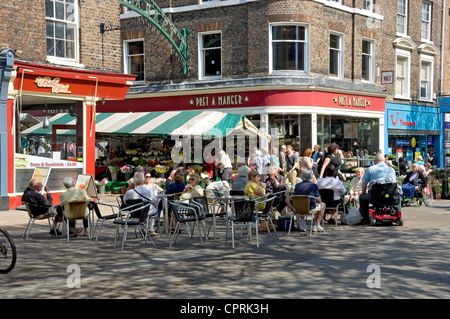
<point x="6" y="66"/>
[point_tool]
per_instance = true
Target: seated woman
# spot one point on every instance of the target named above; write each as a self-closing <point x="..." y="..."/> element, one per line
<point x="413" y="181"/>
<point x="193" y="189"/>
<point x="355" y="189"/>
<point x="254" y="188"/>
<point x="177" y="185"/>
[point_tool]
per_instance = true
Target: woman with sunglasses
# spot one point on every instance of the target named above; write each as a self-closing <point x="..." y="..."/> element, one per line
<point x="193" y="189"/>
<point x="149" y="183"/>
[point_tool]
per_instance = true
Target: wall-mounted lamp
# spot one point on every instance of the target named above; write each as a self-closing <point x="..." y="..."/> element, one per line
<point x="110" y="27"/>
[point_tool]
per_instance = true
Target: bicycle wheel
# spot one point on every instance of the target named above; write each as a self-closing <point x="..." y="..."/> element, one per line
<point x="427" y="195"/>
<point x="8" y="253"/>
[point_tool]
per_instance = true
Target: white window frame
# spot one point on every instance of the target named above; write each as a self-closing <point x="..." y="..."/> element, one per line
<point x="126" y="65"/>
<point x="430" y="93"/>
<point x="201" y="58"/>
<point x="306" y="53"/>
<point x="63" y="60"/>
<point x="368" y="5"/>
<point x="371" y="56"/>
<point x="405" y="15"/>
<point x="427" y="23"/>
<point x="340" y="50"/>
<point x="406" y="55"/>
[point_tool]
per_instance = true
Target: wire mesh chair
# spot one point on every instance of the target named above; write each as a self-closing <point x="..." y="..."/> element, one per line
<point x="38" y="212"/>
<point x="243" y="215"/>
<point x="186" y="213"/>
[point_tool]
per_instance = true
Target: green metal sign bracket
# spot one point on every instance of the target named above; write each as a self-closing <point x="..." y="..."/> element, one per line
<point x="152" y="12"/>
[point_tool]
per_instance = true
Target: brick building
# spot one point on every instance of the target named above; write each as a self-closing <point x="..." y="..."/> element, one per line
<point x="311" y="70"/>
<point x="62" y="64"/>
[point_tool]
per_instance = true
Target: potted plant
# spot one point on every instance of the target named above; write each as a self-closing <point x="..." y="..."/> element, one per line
<point x="101" y="185"/>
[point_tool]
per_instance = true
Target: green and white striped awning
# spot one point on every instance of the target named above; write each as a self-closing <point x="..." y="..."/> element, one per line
<point x="192" y="123"/>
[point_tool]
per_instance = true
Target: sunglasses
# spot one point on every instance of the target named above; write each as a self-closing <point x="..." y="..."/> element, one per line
<point x="192" y="179"/>
<point x="148" y="176"/>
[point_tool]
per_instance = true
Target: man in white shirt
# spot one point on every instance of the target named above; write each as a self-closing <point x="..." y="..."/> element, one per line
<point x="226" y="167"/>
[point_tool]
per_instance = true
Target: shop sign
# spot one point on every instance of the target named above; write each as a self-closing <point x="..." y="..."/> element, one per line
<point x="31" y="161"/>
<point x="395" y="119"/>
<point x="403" y="143"/>
<point x="48" y="82"/>
<point x="219" y="100"/>
<point x="343" y="100"/>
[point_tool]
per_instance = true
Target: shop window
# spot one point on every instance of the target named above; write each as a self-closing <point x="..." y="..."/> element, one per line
<point x="210" y="55"/>
<point x="367" y="61"/>
<point x="402" y="76"/>
<point x="61" y="29"/>
<point x="402" y="16"/>
<point x="336" y="61"/>
<point x="289" y="47"/>
<point x="134" y="59"/>
<point x="425" y="30"/>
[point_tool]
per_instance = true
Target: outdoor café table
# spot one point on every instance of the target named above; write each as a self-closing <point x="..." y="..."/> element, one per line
<point x="228" y="201"/>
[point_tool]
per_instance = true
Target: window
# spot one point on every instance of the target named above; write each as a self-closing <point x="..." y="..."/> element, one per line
<point x="425" y="29"/>
<point x="367" y="5"/>
<point x="289" y="47"/>
<point x="402" y="16"/>
<point x="210" y="64"/>
<point x="336" y="55"/>
<point x="367" y="61"/>
<point x="426" y="80"/>
<point x="61" y="29"/>
<point x="134" y="58"/>
<point x="402" y="75"/>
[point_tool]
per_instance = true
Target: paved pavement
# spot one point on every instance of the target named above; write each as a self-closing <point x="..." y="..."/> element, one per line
<point x="410" y="261"/>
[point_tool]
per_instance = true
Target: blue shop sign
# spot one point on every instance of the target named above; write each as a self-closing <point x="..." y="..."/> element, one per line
<point x="403" y="142"/>
<point x="413" y="118"/>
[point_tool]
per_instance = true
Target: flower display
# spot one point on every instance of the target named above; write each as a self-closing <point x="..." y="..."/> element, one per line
<point x="161" y="169"/>
<point x="113" y="169"/>
<point x="102" y="182"/>
<point x="126" y="169"/>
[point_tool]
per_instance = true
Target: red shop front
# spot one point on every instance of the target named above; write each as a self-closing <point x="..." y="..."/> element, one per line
<point x="43" y="90"/>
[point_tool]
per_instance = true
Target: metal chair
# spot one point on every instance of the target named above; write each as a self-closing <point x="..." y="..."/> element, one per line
<point x="243" y="215"/>
<point x="236" y="193"/>
<point x="301" y="205"/>
<point x="75" y="210"/>
<point x="266" y="214"/>
<point x="38" y="212"/>
<point x="327" y="197"/>
<point x="205" y="203"/>
<point x="136" y="216"/>
<point x="100" y="217"/>
<point x="186" y="213"/>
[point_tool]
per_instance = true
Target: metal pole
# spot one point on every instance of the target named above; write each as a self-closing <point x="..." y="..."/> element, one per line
<point x="6" y="66"/>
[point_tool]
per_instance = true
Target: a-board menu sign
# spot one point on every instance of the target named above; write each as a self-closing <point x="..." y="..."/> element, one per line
<point x="87" y="183"/>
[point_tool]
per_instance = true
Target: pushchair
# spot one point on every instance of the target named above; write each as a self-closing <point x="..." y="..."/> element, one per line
<point x="385" y="199"/>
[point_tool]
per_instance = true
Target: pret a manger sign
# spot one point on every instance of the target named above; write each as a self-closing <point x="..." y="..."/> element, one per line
<point x="351" y="101"/>
<point x="48" y="82"/>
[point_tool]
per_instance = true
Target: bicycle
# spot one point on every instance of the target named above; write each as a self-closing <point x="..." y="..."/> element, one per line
<point x="8" y="253"/>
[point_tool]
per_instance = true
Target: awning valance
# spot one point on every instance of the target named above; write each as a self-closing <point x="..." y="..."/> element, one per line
<point x="186" y="123"/>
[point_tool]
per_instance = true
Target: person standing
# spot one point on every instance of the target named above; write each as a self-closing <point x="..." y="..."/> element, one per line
<point x="316" y="156"/>
<point x="291" y="165"/>
<point x="332" y="158"/>
<point x="226" y="167"/>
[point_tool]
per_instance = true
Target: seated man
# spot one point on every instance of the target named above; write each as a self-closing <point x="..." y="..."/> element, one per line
<point x="33" y="195"/>
<point x="70" y="195"/>
<point x="330" y="182"/>
<point x="306" y="187"/>
<point x="146" y="194"/>
<point x="374" y="173"/>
